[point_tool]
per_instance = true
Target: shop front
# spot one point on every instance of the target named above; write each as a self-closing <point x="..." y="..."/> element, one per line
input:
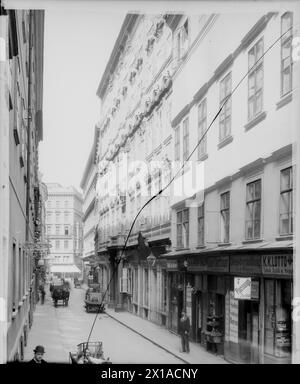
<point x="258" y="309"/>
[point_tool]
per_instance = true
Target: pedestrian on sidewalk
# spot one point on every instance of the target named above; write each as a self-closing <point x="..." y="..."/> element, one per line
<point x="184" y="331"/>
<point x="39" y="352"/>
<point x="43" y="293"/>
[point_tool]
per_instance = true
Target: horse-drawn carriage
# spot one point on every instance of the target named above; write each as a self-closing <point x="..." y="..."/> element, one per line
<point x="60" y="292"/>
<point x="94" y="299"/>
<point x="89" y="353"/>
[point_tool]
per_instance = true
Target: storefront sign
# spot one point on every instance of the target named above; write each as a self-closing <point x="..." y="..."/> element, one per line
<point x="245" y="288"/>
<point x="233" y="319"/>
<point x="218" y="263"/>
<point x="242" y="288"/>
<point x="197" y="264"/>
<point x="245" y="264"/>
<point x="172" y="265"/>
<point x="277" y="265"/>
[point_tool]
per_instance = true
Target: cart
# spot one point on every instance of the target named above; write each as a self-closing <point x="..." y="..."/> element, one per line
<point x="93" y="302"/>
<point x="77" y="283"/>
<point x="60" y="293"/>
<point x="89" y="353"/>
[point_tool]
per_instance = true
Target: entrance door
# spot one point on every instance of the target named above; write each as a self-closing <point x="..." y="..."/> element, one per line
<point x="248" y="331"/>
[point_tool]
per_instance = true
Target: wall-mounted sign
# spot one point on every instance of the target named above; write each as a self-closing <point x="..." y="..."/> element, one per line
<point x="250" y="264"/>
<point x="277" y="265"/>
<point x="218" y="263"/>
<point x="242" y="288"/>
<point x="172" y="265"/>
<point x="197" y="264"/>
<point x="233" y="319"/>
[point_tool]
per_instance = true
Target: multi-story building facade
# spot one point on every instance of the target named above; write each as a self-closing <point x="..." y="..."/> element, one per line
<point x="89" y="218"/>
<point x="21" y="130"/>
<point x="64" y="228"/>
<point x="222" y="251"/>
<point x="135" y="140"/>
<point x="231" y="264"/>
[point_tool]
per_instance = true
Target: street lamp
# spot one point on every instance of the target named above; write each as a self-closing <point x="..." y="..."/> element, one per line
<point x="151" y="260"/>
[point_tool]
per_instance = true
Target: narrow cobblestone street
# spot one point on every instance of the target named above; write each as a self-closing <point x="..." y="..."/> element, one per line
<point x="60" y="329"/>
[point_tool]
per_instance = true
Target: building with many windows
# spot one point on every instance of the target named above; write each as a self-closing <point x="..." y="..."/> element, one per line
<point x="21" y="199"/>
<point x="64" y="228"/>
<point x="89" y="218"/>
<point x="215" y="118"/>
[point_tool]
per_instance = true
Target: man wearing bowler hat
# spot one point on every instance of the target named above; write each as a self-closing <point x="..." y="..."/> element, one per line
<point x="38" y="355"/>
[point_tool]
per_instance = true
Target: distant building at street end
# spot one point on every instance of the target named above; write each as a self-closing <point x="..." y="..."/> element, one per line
<point x="64" y="228"/>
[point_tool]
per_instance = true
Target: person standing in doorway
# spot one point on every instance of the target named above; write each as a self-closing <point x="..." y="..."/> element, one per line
<point x="184" y="331"/>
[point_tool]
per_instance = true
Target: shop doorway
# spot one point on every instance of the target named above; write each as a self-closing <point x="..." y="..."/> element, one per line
<point x="197" y="317"/>
<point x="248" y="331"/>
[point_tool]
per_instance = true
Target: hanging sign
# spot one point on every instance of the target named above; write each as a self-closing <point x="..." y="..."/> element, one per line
<point x="246" y="289"/>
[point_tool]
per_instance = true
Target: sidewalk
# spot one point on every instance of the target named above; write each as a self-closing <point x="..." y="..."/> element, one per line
<point x="164" y="339"/>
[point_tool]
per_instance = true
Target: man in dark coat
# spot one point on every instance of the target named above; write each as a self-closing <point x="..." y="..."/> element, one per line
<point x="184" y="330"/>
<point x="38" y="355"/>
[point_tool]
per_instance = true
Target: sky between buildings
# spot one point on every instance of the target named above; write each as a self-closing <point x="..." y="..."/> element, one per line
<point x="77" y="47"/>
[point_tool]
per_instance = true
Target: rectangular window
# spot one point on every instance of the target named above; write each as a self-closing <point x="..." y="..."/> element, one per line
<point x="146" y="288"/>
<point x="66" y="244"/>
<point x="66" y="204"/>
<point x="253" y="210"/>
<point x="225" y="102"/>
<point x="255" y="80"/>
<point x="183" y="40"/>
<point x="57" y="244"/>
<point x="49" y="229"/>
<point x="202" y="125"/>
<point x="57" y="215"/>
<point x="66" y="230"/>
<point x="201" y="224"/>
<point x="14" y="278"/>
<point x="185" y="142"/>
<point x="57" y="229"/>
<point x="57" y="204"/>
<point x="136" y="287"/>
<point x="286" y="53"/>
<point x="286" y="202"/>
<point x="183" y="228"/>
<point x="225" y="216"/>
<point x="177" y="143"/>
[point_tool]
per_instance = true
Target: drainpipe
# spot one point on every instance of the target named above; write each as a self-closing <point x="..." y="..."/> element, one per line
<point x="28" y="185"/>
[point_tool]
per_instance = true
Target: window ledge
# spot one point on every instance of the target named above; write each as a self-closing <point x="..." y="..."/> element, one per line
<point x="201" y="247"/>
<point x="203" y="156"/>
<point x="223" y="244"/>
<point x="252" y="241"/>
<point x="284" y="237"/>
<point x="225" y="141"/>
<point x="181" y="249"/>
<point x="284" y="100"/>
<point x="260" y="117"/>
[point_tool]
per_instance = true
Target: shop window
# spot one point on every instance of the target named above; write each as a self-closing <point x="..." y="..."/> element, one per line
<point x="255" y="80"/>
<point x="286" y="201"/>
<point x="253" y="210"/>
<point x="278" y="323"/>
<point x="286" y="53"/>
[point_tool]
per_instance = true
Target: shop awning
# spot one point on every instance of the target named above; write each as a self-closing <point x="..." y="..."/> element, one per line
<point x="264" y="245"/>
<point x="64" y="269"/>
